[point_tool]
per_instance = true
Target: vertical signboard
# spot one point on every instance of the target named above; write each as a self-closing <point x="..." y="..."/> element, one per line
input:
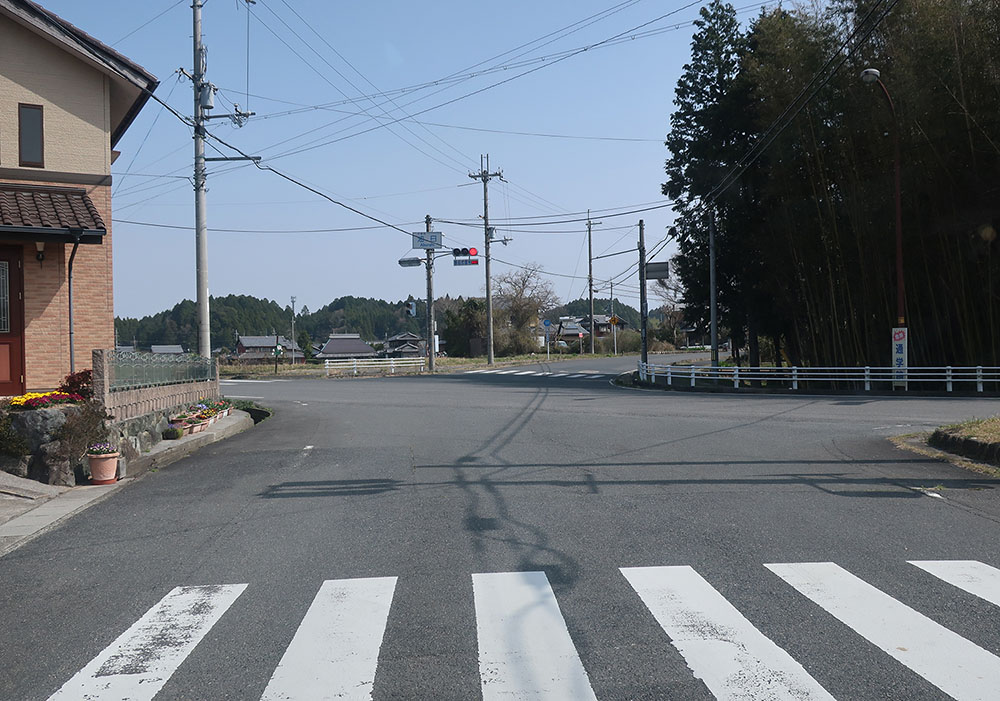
<point x="899" y="357"/>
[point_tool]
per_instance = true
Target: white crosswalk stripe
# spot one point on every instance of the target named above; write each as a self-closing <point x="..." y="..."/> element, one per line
<point x="958" y="667"/>
<point x="968" y="575"/>
<point x="722" y="648"/>
<point x="525" y="651"/>
<point x="137" y="665"/>
<point x="335" y="650"/>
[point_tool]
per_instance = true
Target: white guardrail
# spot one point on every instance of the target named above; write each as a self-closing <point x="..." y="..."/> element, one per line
<point x="357" y="366"/>
<point x="791" y="377"/>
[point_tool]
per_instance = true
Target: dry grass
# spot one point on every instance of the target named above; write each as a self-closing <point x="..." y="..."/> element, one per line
<point x="985" y="430"/>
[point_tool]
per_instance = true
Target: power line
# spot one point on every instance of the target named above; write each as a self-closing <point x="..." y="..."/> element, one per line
<point x="147" y="22"/>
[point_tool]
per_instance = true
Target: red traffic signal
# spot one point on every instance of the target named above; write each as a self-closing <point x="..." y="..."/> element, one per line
<point x="473" y="252"/>
<point x="464" y="252"/>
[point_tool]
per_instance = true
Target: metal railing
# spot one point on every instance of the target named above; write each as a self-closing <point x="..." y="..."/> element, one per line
<point x="132" y="370"/>
<point x="857" y="378"/>
<point x="357" y="366"/>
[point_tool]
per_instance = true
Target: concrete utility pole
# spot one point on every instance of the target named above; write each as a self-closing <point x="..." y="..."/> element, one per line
<point x="200" y="223"/>
<point x="590" y="280"/>
<point x="643" y="310"/>
<point x="204" y="100"/>
<point x="430" y="300"/>
<point x="713" y="301"/>
<point x="293" y="332"/>
<point x="484" y="174"/>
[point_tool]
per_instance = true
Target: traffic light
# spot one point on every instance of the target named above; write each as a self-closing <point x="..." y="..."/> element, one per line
<point x="411" y="308"/>
<point x="465" y="256"/>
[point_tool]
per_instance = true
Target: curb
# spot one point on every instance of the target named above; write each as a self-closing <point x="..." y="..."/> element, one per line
<point x="51" y="512"/>
<point x="970" y="448"/>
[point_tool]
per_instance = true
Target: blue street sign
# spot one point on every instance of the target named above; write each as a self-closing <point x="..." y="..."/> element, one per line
<point x="547" y="323"/>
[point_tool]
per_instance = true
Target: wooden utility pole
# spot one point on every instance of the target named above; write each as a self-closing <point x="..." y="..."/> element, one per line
<point x="484" y="174"/>
<point x="429" y="264"/>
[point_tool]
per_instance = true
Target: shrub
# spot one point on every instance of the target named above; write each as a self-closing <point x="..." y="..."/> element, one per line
<point x="11" y="442"/>
<point x="82" y="429"/>
<point x="81" y="383"/>
<point x="172" y="433"/>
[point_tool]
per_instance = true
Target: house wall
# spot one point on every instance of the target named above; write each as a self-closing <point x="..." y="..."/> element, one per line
<point x="75" y="103"/>
<point x="77" y="153"/>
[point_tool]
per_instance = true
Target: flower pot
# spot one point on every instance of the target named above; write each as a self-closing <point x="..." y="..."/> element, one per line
<point x="198" y="427"/>
<point x="103" y="468"/>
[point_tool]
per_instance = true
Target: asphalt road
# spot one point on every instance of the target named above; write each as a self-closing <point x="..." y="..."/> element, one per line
<point x="540" y="536"/>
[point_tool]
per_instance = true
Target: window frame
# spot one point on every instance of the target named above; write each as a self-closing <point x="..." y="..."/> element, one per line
<point x="20" y="136"/>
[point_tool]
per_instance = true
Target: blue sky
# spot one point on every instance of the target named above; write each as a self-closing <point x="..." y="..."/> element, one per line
<point x="389" y="58"/>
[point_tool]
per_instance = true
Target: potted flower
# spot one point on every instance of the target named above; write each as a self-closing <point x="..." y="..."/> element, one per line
<point x="103" y="463"/>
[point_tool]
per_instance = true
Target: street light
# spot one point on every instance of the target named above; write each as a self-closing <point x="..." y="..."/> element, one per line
<point x="871" y="76"/>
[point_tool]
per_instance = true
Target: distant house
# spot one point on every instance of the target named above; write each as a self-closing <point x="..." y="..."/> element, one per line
<point x="404" y="345"/>
<point x="570" y="329"/>
<point x="170" y="350"/>
<point x="261" y="349"/>
<point x="345" y="345"/>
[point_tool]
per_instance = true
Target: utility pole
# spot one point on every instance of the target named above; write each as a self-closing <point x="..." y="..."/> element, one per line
<point x="430" y="299"/>
<point x="293" y="332"/>
<point x="614" y="327"/>
<point x="200" y="223"/>
<point x="590" y="280"/>
<point x="711" y="282"/>
<point x="484" y="174"/>
<point x="643" y="310"/>
<point x="204" y="100"/>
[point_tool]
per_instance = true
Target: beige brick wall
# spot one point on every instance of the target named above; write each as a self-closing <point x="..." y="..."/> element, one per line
<point x="46" y="303"/>
<point x="74" y="99"/>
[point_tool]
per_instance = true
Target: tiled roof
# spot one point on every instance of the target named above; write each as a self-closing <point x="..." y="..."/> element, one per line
<point x="346" y="346"/>
<point x="267" y="342"/>
<point x="172" y="349"/>
<point x="26" y="206"/>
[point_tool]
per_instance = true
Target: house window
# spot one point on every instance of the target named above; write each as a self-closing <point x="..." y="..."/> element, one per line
<point x="30" y="140"/>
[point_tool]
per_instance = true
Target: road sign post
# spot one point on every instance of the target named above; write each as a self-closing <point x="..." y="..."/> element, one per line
<point x="546" y="323"/>
<point x="900" y="343"/>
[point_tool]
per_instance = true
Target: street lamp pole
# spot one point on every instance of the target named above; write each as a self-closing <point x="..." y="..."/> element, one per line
<point x="870" y="76"/>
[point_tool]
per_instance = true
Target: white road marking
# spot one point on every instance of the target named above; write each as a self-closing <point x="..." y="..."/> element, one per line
<point x="334" y="652"/>
<point x="561" y="374"/>
<point x="958" y="667"/>
<point x="542" y="374"/>
<point x="525" y="651"/>
<point x="570" y="377"/>
<point x="597" y="377"/>
<point x="506" y="372"/>
<point x="308" y="447"/>
<point x="971" y="576"/>
<point x="722" y="648"/>
<point x="473" y="372"/>
<point x="141" y="660"/>
<point x="529" y="372"/>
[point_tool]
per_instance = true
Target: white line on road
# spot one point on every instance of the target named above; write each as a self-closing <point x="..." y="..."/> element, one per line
<point x="141" y="660"/>
<point x="722" y="648"/>
<point x="971" y="576"/>
<point x="334" y="652"/>
<point x="525" y="651"/>
<point x="528" y="372"/>
<point x="308" y="447"/>
<point x="506" y="372"/>
<point x="570" y="377"/>
<point x="958" y="667"/>
<point x="561" y="374"/>
<point x="597" y="377"/>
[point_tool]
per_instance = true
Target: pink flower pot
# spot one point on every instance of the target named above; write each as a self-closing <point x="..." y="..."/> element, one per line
<point x="103" y="468"/>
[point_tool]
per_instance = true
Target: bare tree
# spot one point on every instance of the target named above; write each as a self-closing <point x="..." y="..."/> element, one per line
<point x="521" y="296"/>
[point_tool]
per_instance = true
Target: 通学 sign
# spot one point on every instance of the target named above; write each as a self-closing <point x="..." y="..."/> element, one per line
<point x="899" y="356"/>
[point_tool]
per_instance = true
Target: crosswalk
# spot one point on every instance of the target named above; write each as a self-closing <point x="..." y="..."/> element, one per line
<point x="520" y="372"/>
<point x="526" y="650"/>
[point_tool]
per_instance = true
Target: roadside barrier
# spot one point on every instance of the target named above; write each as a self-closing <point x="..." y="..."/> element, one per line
<point x="356" y="366"/>
<point x="857" y="378"/>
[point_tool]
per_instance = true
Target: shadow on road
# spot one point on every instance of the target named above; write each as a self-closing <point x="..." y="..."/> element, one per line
<point x="329" y="488"/>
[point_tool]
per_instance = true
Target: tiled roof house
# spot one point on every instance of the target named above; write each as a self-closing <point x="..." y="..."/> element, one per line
<point x="65" y="101"/>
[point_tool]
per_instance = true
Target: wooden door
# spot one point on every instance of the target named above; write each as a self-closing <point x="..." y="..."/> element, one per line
<point x="11" y="321"/>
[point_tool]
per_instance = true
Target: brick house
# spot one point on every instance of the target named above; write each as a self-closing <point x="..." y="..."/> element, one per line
<point x="65" y="101"/>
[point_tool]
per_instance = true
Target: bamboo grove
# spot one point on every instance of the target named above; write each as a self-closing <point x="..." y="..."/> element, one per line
<point x="806" y="234"/>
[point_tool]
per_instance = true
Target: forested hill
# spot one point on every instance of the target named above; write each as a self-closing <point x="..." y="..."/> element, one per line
<point x="236" y="315"/>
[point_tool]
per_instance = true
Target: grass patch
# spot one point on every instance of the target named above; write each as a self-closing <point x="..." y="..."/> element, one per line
<point x="985" y="430"/>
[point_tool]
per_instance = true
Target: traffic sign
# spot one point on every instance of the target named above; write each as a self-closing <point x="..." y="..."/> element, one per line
<point x="466" y="261"/>
<point x="614" y="320"/>
<point x="428" y="239"/>
<point x="658" y="271"/>
<point x="546" y="323"/>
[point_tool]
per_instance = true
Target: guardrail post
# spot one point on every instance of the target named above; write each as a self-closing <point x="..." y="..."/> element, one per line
<point x="354" y="364"/>
<point x="947" y="374"/>
<point x="979" y="378"/>
<point x="692" y="375"/>
<point x="868" y="379"/>
<point x="736" y="377"/>
<point x="670" y="376"/>
<point x="642" y="371"/>
<point x="795" y="377"/>
<point x="392" y="366"/>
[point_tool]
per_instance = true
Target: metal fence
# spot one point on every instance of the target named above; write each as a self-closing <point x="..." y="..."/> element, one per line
<point x="131" y="370"/>
<point x="866" y="378"/>
<point x="356" y="366"/>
